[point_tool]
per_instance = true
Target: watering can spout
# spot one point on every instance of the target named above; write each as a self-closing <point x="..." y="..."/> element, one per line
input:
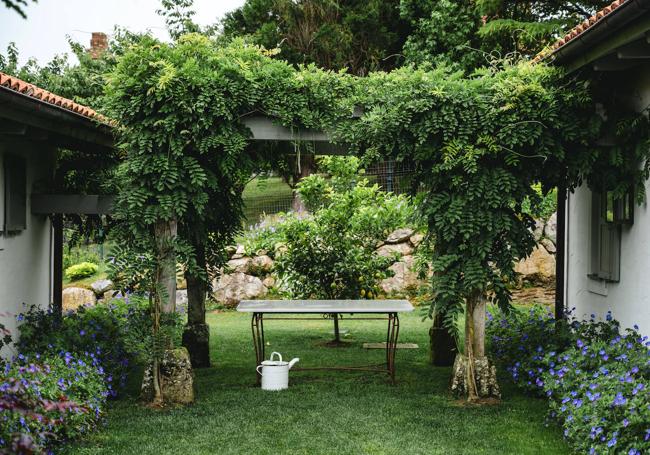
<point x="293" y="362"/>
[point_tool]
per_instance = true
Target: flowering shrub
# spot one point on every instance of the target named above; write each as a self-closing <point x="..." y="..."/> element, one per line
<point x="45" y="400"/>
<point x="116" y="333"/>
<point x="596" y="379"/>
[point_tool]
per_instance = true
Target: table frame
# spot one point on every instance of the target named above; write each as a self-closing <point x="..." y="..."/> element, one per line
<point x="392" y="333"/>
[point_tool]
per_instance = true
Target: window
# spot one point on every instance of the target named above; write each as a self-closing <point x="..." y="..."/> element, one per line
<point x="15" y="189"/>
<point x="608" y="215"/>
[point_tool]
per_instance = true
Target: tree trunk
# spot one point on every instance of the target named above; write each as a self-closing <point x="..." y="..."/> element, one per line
<point x="165" y="233"/>
<point x="196" y="336"/>
<point x="305" y="168"/>
<point x="473" y="374"/>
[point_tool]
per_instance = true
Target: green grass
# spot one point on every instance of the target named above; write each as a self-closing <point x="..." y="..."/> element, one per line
<point x="325" y="412"/>
<point x="265" y="195"/>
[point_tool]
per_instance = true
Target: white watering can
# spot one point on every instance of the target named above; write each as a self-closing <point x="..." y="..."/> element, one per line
<point x="275" y="373"/>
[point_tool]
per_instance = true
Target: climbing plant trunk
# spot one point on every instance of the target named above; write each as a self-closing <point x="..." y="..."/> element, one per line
<point x="473" y="374"/>
<point x="196" y="336"/>
<point x="305" y="166"/>
<point x="443" y="343"/>
<point x="165" y="232"/>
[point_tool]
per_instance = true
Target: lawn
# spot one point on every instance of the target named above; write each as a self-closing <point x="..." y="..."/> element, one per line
<point x="324" y="412"/>
<point x="269" y="195"/>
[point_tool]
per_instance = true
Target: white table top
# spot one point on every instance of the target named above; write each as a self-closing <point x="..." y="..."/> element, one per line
<point x="324" y="306"/>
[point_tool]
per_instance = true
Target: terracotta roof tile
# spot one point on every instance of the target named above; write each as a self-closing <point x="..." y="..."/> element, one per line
<point x="580" y="29"/>
<point x="31" y="90"/>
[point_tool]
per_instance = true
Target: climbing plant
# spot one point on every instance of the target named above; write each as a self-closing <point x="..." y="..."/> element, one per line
<point x="479" y="143"/>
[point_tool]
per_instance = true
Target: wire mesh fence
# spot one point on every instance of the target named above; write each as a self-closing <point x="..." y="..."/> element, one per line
<point x="272" y="195"/>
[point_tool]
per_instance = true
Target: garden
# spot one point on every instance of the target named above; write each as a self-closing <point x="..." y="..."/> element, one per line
<point x="140" y="370"/>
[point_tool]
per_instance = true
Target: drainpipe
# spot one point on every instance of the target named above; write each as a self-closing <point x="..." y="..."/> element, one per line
<point x="560" y="253"/>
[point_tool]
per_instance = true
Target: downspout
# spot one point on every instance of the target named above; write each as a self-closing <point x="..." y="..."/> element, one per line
<point x="560" y="254"/>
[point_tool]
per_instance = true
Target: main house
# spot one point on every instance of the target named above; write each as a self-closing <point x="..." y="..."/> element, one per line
<point x="34" y="125"/>
<point x="606" y="262"/>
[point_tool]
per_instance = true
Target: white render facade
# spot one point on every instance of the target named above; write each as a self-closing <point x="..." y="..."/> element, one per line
<point x="25" y="254"/>
<point x="628" y="298"/>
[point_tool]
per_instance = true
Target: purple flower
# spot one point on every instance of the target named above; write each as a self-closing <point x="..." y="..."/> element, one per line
<point x="580" y="343"/>
<point x="619" y="399"/>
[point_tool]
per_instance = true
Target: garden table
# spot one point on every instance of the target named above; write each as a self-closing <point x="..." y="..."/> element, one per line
<point x="329" y="310"/>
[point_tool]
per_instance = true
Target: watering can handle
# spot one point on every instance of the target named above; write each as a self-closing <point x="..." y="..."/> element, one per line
<point x="274" y="353"/>
<point x="258" y="370"/>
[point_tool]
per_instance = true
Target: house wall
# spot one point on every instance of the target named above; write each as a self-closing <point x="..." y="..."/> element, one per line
<point x="629" y="299"/>
<point x="25" y="259"/>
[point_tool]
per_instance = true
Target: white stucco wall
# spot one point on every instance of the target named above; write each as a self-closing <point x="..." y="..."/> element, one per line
<point x="25" y="265"/>
<point x="629" y="299"/>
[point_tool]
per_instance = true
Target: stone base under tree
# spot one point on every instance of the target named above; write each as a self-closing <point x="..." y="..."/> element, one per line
<point x="486" y="378"/>
<point x="177" y="378"/>
<point x="196" y="338"/>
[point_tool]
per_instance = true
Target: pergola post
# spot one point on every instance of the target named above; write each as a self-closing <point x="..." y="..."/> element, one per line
<point x="57" y="265"/>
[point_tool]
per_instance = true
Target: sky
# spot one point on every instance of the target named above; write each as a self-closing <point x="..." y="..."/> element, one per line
<point x="43" y="34"/>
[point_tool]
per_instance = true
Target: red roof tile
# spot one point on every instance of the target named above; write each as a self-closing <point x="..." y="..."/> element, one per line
<point x="580" y="29"/>
<point x="31" y="90"/>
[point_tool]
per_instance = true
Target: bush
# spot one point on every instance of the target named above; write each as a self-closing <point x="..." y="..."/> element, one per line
<point x="46" y="400"/>
<point x="331" y="254"/>
<point x="82" y="270"/>
<point x="76" y="255"/>
<point x="596" y="379"/>
<point x="117" y="333"/>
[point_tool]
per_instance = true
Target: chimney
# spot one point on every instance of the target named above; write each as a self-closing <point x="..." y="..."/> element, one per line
<point x="98" y="44"/>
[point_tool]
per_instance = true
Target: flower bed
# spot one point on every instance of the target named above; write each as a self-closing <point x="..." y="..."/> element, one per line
<point x="46" y="400"/>
<point x="595" y="378"/>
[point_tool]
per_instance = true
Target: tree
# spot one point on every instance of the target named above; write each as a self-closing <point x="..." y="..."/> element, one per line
<point x="360" y="36"/>
<point x="17" y="6"/>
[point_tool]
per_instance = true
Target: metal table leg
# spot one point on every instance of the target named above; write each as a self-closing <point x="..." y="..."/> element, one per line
<point x="257" y="327"/>
<point x="391" y="344"/>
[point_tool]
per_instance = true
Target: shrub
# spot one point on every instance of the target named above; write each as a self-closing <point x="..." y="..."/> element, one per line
<point x="117" y="333"/>
<point x="266" y="235"/>
<point x="331" y="254"/>
<point x="82" y="270"/>
<point x="596" y="379"/>
<point x="76" y="255"/>
<point x="45" y="400"/>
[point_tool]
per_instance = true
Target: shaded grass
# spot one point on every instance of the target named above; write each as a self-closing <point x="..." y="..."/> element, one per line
<point x="325" y="412"/>
<point x="268" y="195"/>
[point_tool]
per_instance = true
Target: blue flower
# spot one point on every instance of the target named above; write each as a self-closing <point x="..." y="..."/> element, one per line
<point x="619" y="399"/>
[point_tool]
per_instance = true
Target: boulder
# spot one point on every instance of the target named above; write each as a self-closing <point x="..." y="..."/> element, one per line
<point x="538" y="267"/>
<point x="399" y="235"/>
<point x="230" y="289"/>
<point x="181" y="298"/>
<point x="403" y="277"/>
<point x="538" y="232"/>
<point x="261" y="265"/>
<point x="231" y="249"/>
<point x="73" y="298"/>
<point x="549" y="245"/>
<point x="101" y="286"/>
<point x="176" y="377"/>
<point x="240" y="265"/>
<point x="112" y="294"/>
<point x="550" y="228"/>
<point x="390" y="250"/>
<point x="416" y="239"/>
<point x="268" y="282"/>
<point x="239" y="252"/>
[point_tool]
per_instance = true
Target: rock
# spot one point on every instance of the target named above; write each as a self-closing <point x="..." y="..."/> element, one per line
<point x="231" y="249"/>
<point x="268" y="282"/>
<point x="230" y="289"/>
<point x="101" y="286"/>
<point x="549" y="245"/>
<point x="538" y="267"/>
<point x="176" y="377"/>
<point x="73" y="298"/>
<point x="399" y="235"/>
<point x="416" y="239"/>
<point x="538" y="233"/>
<point x="403" y="277"/>
<point x="112" y="294"/>
<point x="240" y="265"/>
<point x="399" y="249"/>
<point x="550" y="229"/>
<point x="181" y="298"/>
<point x="261" y="265"/>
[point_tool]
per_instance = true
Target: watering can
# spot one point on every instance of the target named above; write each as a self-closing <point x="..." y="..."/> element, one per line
<point x="275" y="373"/>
